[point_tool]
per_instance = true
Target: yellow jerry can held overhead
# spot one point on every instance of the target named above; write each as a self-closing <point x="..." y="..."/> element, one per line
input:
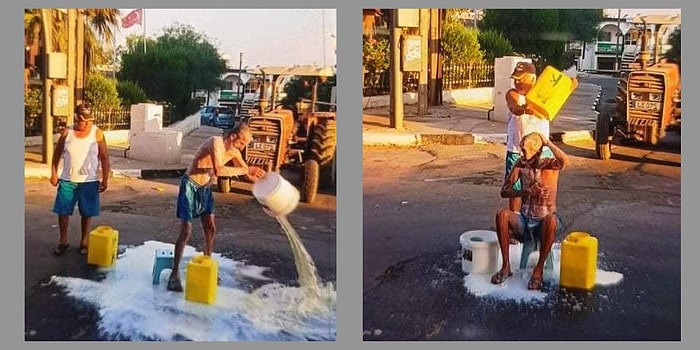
<point x="579" y="261"/>
<point x="102" y="246"/>
<point x="550" y="92"/>
<point x="201" y="279"/>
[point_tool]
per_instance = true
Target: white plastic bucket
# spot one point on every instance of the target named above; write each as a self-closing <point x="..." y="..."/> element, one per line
<point x="480" y="252"/>
<point x="276" y="194"/>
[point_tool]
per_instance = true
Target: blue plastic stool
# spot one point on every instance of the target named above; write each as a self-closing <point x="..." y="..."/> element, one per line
<point x="163" y="260"/>
<point x="530" y="246"/>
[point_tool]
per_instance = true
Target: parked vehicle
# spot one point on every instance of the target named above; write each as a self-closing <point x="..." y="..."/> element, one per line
<point x="220" y="117"/>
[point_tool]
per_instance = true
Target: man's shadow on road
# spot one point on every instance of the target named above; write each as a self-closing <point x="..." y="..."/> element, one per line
<point x="620" y="151"/>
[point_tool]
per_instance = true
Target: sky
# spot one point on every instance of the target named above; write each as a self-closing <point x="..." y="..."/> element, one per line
<point x="291" y="36"/>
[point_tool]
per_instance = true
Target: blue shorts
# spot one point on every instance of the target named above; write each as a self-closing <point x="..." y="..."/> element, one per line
<point x="194" y="200"/>
<point x="85" y="194"/>
<point x="512" y="157"/>
<point x="531" y="228"/>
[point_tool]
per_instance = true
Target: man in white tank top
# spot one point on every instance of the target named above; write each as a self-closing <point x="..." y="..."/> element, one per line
<point x="83" y="149"/>
<point x="521" y="120"/>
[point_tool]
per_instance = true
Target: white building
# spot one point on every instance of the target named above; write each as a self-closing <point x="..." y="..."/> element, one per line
<point x="618" y="45"/>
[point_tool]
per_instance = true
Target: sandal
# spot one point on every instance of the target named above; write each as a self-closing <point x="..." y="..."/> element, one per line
<point x="83" y="250"/>
<point x="500" y="277"/>
<point x="60" y="249"/>
<point x="535" y="283"/>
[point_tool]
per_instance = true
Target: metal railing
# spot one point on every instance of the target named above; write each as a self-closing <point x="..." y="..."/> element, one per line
<point x="462" y="76"/>
<point x="111" y="119"/>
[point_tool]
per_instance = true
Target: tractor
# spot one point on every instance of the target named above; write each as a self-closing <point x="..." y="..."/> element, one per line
<point x="648" y="102"/>
<point x="296" y="137"/>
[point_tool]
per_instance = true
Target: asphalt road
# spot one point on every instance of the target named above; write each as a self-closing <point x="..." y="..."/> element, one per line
<point x="417" y="202"/>
<point x="144" y="210"/>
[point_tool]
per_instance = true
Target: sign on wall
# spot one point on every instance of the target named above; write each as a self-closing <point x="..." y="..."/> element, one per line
<point x="411" y="53"/>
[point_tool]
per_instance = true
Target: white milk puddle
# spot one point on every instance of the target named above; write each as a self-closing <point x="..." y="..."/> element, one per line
<point x="130" y="307"/>
<point x="515" y="288"/>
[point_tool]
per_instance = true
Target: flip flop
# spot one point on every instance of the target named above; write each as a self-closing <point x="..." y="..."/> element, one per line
<point x="500" y="277"/>
<point x="83" y="250"/>
<point x="535" y="283"/>
<point x="60" y="249"/>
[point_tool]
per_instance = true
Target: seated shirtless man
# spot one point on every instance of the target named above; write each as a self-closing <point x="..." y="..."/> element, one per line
<point x="196" y="199"/>
<point x="537" y="218"/>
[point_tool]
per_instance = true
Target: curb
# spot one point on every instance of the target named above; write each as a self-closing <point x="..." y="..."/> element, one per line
<point x="412" y="140"/>
<point x="34" y="173"/>
<point x="573" y="136"/>
<point x="400" y="139"/>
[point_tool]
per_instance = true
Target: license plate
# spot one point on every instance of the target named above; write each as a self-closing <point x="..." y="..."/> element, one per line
<point x="651" y="106"/>
<point x="267" y="147"/>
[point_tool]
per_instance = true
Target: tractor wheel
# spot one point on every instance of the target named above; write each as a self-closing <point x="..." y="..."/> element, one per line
<point x="322" y="149"/>
<point x="224" y="184"/>
<point x="310" y="183"/>
<point x="602" y="137"/>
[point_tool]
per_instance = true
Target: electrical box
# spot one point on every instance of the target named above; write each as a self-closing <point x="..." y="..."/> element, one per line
<point x="408" y="18"/>
<point x="60" y="101"/>
<point x="58" y="65"/>
<point x="411" y="53"/>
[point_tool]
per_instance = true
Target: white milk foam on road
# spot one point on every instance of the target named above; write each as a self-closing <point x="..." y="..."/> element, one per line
<point x="130" y="307"/>
<point x="515" y="288"/>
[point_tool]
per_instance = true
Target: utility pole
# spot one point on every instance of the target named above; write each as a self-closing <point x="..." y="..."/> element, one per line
<point x="617" y="42"/>
<point x="434" y="50"/>
<point x="396" y="117"/>
<point x="47" y="152"/>
<point x="423" y="75"/>
<point x="238" y="86"/>
<point x="80" y="55"/>
<point x="72" y="60"/>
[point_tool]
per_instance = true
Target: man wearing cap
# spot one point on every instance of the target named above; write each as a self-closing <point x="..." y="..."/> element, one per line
<point x="83" y="149"/>
<point x="521" y="120"/>
<point x="537" y="218"/>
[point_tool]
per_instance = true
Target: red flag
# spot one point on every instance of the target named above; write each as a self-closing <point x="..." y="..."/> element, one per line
<point x="132" y="18"/>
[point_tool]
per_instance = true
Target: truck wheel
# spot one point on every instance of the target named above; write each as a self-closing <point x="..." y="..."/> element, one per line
<point x="224" y="184"/>
<point x="602" y="138"/>
<point x="310" y="183"/>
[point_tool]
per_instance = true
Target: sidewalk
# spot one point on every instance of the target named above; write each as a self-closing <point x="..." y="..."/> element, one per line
<point x="125" y="167"/>
<point x="458" y="125"/>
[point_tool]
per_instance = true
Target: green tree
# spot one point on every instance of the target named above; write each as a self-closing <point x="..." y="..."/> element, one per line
<point x="302" y="87"/>
<point x="101" y="92"/>
<point x="674" y="52"/>
<point x="130" y="93"/>
<point x="174" y="65"/>
<point x="375" y="60"/>
<point x="542" y="33"/>
<point x="460" y="44"/>
<point x="100" y="26"/>
<point x="494" y="44"/>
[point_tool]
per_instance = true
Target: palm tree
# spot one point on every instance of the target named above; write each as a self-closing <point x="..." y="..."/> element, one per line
<point x="100" y="26"/>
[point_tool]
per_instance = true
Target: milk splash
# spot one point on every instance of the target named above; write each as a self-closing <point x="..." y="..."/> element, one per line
<point x="515" y="288"/>
<point x="130" y="307"/>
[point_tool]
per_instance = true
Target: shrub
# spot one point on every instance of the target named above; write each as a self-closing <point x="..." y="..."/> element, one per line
<point x="130" y="93"/>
